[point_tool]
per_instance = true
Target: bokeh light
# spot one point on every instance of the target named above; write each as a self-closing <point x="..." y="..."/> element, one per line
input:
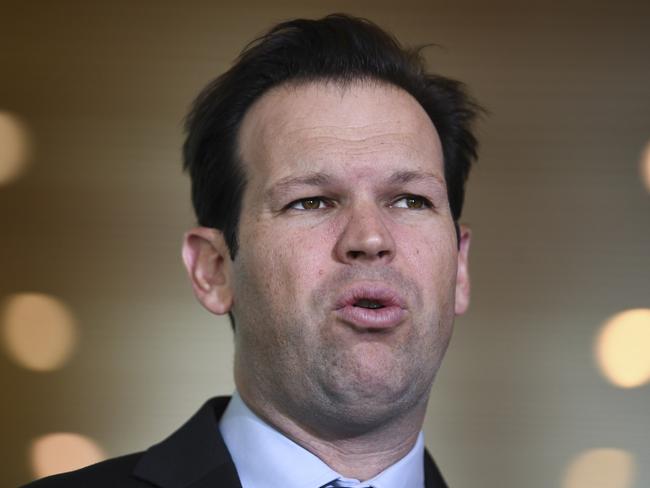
<point x="63" y="451"/>
<point x="14" y="147"/>
<point x="601" y="468"/>
<point x="645" y="167"/>
<point x="623" y="348"/>
<point x="39" y="331"/>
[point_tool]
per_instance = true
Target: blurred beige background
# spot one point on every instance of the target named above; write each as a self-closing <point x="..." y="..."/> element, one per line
<point x="104" y="350"/>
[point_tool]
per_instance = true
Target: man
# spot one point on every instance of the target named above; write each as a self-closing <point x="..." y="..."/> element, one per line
<point x="328" y="176"/>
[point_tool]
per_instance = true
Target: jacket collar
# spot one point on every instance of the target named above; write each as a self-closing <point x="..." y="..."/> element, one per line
<point x="432" y="476"/>
<point x="194" y="456"/>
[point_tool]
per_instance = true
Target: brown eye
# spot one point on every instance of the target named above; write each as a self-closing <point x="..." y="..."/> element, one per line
<point x="311" y="204"/>
<point x="314" y="203"/>
<point x="413" y="202"/>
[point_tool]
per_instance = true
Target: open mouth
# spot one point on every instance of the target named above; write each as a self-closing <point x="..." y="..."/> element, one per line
<point x="371" y="307"/>
<point x="368" y="303"/>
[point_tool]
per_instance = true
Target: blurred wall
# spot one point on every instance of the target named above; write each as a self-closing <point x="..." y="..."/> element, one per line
<point x="104" y="350"/>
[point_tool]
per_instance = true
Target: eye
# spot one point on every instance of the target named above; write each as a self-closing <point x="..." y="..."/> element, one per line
<point x="414" y="202"/>
<point x="311" y="203"/>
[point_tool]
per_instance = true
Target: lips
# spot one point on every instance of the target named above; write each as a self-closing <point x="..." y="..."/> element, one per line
<point x="371" y="307"/>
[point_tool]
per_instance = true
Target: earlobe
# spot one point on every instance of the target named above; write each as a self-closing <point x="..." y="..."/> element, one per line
<point x="208" y="264"/>
<point x="462" y="273"/>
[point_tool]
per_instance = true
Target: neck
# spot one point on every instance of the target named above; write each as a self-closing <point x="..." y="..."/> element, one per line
<point x="361" y="454"/>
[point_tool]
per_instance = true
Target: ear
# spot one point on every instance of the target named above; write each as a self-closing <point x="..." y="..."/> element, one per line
<point x="462" y="273"/>
<point x="208" y="265"/>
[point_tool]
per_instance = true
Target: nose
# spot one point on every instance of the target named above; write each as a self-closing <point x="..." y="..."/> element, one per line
<point x="365" y="237"/>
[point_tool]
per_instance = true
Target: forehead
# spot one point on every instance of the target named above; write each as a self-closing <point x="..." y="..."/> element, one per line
<point x="327" y="126"/>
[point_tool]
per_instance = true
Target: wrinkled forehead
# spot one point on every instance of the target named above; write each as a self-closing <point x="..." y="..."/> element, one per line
<point x="317" y="123"/>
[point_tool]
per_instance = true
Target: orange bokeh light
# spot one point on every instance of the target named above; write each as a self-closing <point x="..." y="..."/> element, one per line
<point x="623" y="348"/>
<point x="63" y="451"/>
<point x="14" y="147"/>
<point x="38" y="331"/>
<point x="601" y="468"/>
<point x="645" y="166"/>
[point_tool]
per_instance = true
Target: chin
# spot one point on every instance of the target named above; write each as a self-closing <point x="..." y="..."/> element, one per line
<point x="353" y="418"/>
<point x="368" y="395"/>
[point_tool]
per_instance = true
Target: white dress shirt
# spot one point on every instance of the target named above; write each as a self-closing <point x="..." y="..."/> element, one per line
<point x="265" y="458"/>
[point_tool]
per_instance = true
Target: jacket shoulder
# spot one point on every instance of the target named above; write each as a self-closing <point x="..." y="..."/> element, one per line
<point x="110" y="473"/>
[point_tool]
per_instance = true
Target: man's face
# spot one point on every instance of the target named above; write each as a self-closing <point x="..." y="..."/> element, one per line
<point x="345" y="285"/>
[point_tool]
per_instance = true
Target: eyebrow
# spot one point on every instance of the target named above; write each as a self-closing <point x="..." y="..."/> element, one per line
<point x="409" y="176"/>
<point x="283" y="185"/>
<point x="319" y="178"/>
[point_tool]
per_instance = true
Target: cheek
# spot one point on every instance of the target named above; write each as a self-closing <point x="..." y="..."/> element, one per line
<point x="288" y="264"/>
<point x="431" y="260"/>
<point x="426" y="250"/>
<point x="303" y="261"/>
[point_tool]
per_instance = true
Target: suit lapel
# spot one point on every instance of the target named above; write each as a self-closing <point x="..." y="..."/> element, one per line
<point x="194" y="456"/>
<point x="224" y="476"/>
<point x="432" y="476"/>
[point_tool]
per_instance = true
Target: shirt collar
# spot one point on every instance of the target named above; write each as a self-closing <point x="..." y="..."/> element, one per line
<point x="265" y="458"/>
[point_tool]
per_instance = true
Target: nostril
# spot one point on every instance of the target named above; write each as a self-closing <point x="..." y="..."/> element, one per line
<point x="360" y="254"/>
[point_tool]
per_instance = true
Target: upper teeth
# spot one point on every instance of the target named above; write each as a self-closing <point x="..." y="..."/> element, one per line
<point x="365" y="303"/>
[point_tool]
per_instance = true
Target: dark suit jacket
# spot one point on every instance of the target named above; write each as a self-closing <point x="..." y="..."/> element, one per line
<point x="194" y="456"/>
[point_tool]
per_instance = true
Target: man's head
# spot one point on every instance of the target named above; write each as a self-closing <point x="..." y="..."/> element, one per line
<point x="338" y="49"/>
<point x="341" y="262"/>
